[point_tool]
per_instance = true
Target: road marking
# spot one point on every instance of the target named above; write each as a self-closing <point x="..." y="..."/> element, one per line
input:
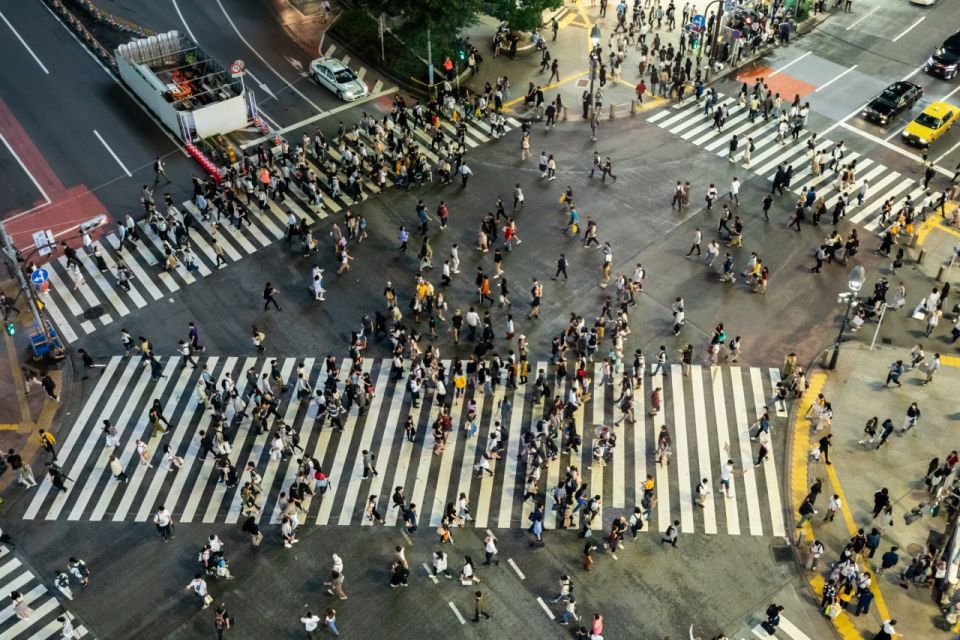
<point x="790" y="64"/>
<point x="835" y="78"/>
<point x="184" y="21"/>
<point x="946" y="153"/>
<point x="908" y="29"/>
<point x="703" y="449"/>
<point x="510" y="466"/>
<point x="27" y="171"/>
<point x="513" y="565"/>
<point x="264" y="60"/>
<point x="319" y="116"/>
<point x="261" y="84"/>
<point x="682" y="453"/>
<point x="546" y="608"/>
<point x="430" y="573"/>
<point x="456" y="612"/>
<point x="892" y="147"/>
<point x="135" y="100"/>
<point x="862" y="18"/>
<point x="406" y="537"/>
<point x="111" y="152"/>
<point x="723" y="446"/>
<point x="24" y="43"/>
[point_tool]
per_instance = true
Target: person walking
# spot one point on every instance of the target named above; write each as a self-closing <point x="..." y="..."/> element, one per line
<point x="697" y="239"/>
<point x="163" y="520"/>
<point x="479" y="607"/>
<point x="46" y="440"/>
<point x="270" y="295"/>
<point x="222" y="620"/>
<point x="671" y="534"/>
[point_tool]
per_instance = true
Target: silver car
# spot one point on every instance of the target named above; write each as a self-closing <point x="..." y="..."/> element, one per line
<point x="338" y="77"/>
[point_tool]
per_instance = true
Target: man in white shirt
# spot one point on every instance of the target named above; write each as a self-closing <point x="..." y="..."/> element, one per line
<point x="702" y="492"/>
<point x="310" y="623"/>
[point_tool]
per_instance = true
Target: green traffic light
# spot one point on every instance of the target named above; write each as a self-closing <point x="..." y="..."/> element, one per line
<point x="11" y="329"/>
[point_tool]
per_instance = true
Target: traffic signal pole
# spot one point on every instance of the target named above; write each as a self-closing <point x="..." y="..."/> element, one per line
<point x="22" y="280"/>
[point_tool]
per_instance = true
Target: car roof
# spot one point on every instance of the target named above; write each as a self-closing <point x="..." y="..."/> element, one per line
<point x="333" y="64"/>
<point x="939" y="109"/>
<point x="901" y="86"/>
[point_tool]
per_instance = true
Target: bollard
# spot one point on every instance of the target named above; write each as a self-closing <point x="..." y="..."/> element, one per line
<point x="564" y="114"/>
<point x="633" y="107"/>
<point x="940" y="274"/>
<point x="920" y="256"/>
<point x="612" y="112"/>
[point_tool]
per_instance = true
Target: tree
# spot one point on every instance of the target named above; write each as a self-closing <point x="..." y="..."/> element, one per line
<point x="521" y="15"/>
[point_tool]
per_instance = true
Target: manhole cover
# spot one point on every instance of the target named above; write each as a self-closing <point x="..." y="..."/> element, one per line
<point x="93" y="312"/>
<point x="583" y="83"/>
<point x="782" y="555"/>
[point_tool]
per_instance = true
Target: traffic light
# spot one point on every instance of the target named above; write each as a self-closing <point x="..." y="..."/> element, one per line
<point x="694" y="42"/>
<point x="462" y="53"/>
<point x="11" y="329"/>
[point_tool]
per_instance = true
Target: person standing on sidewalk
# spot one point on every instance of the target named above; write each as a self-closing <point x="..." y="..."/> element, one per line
<point x="23" y="471"/>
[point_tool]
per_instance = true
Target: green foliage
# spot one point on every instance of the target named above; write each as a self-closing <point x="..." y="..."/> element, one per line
<point x="522" y="15"/>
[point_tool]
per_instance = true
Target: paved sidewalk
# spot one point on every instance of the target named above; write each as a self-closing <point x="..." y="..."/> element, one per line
<point x="856" y="393"/>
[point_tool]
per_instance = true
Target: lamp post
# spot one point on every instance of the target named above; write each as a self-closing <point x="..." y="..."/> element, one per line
<point x="854" y="283"/>
<point x="595" y="38"/>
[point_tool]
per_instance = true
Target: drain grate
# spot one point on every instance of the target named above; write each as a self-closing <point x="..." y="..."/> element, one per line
<point x="583" y="83"/>
<point x="782" y="555"/>
<point x="93" y="312"/>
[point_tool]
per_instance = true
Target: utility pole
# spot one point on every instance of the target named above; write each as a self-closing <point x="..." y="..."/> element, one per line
<point x="22" y="280"/>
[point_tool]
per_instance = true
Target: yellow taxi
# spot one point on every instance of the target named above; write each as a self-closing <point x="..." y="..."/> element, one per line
<point x="932" y="123"/>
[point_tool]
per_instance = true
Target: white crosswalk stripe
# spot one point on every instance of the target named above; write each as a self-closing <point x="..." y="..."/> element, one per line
<point x="709" y="414"/>
<point x="786" y="629"/>
<point x="100" y="300"/>
<point x="690" y="123"/>
<point x="43" y="604"/>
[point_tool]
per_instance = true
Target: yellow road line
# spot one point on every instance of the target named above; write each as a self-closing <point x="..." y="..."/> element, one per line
<point x="950" y="361"/>
<point x="579" y="74"/>
<point x="587" y="24"/>
<point x="567" y="20"/>
<point x="9" y="426"/>
<point x="799" y="474"/>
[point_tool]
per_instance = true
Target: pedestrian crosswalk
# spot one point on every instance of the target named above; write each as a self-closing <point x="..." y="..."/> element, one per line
<point x="38" y="621"/>
<point x="83" y="299"/>
<point x="785" y="629"/>
<point x="688" y="121"/>
<point x="708" y="413"/>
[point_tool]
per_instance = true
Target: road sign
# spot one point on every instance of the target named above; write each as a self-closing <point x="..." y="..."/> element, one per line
<point x="697" y="21"/>
<point x="236" y="68"/>
<point x="39" y="276"/>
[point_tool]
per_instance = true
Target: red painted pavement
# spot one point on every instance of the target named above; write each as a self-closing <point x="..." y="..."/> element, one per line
<point x="69" y="206"/>
<point x="787" y="86"/>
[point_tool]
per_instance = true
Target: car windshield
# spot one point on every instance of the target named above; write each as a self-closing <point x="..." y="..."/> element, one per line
<point x="888" y="97"/>
<point x="952" y="45"/>
<point x="344" y="75"/>
<point x="928" y="121"/>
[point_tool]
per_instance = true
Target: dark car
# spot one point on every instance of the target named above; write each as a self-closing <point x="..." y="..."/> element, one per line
<point x="895" y="99"/>
<point x="945" y="59"/>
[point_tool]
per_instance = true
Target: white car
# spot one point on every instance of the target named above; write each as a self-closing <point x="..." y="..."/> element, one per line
<point x="338" y="77"/>
<point x="923" y="2"/>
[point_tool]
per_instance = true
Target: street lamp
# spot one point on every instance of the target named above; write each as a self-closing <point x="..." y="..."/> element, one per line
<point x="854" y="283"/>
<point x="594" y="60"/>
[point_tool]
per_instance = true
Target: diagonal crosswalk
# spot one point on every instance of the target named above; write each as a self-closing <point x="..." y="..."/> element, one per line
<point x="79" y="309"/>
<point x="42" y="623"/>
<point x="708" y="413"/>
<point x="688" y="121"/>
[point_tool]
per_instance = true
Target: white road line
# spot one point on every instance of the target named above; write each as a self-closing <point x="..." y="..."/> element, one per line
<point x="544" y="606"/>
<point x="862" y="18"/>
<point x="139" y="274"/>
<point x="596" y="467"/>
<point x="339" y="466"/>
<point x="64" y="292"/>
<point x="553" y="471"/>
<point x="263" y="86"/>
<point x="792" y="630"/>
<point x="536" y="415"/>
<point x="264" y="60"/>
<point x="663" y="477"/>
<point x="406" y="453"/>
<point x="130" y="398"/>
<point x="184" y="21"/>
<point x="457" y="613"/>
<point x="27" y="171"/>
<point x="149" y="501"/>
<point x="470" y="449"/>
<point x="123" y="87"/>
<point x="115" y="289"/>
<point x="111" y="152"/>
<point x="203" y="475"/>
<point x="74" y="434"/>
<point x="723" y="449"/>
<point x="273" y="466"/>
<point x="770" y="468"/>
<point x="179" y="392"/>
<point x="893" y="135"/>
<point x="774" y="379"/>
<point x="86" y="291"/>
<point x="908" y="29"/>
<point x="916" y="158"/>
<point x="619" y="464"/>
<point x="429" y="571"/>
<point x="742" y="427"/>
<point x="946" y="153"/>
<point x="513" y="565"/>
<point x="59" y="319"/>
<point x="791" y="63"/>
<point x="422" y="470"/>
<point x="834" y="79"/>
<point x="703" y="450"/>
<point x="152" y="261"/>
<point x="442" y="485"/>
<point x="24" y="43"/>
<point x="320" y="116"/>
<point x="389" y="433"/>
<point x="510" y="465"/>
<point x="639" y="443"/>
<point x="127" y="450"/>
<point x="681" y="450"/>
<point x="356" y="479"/>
